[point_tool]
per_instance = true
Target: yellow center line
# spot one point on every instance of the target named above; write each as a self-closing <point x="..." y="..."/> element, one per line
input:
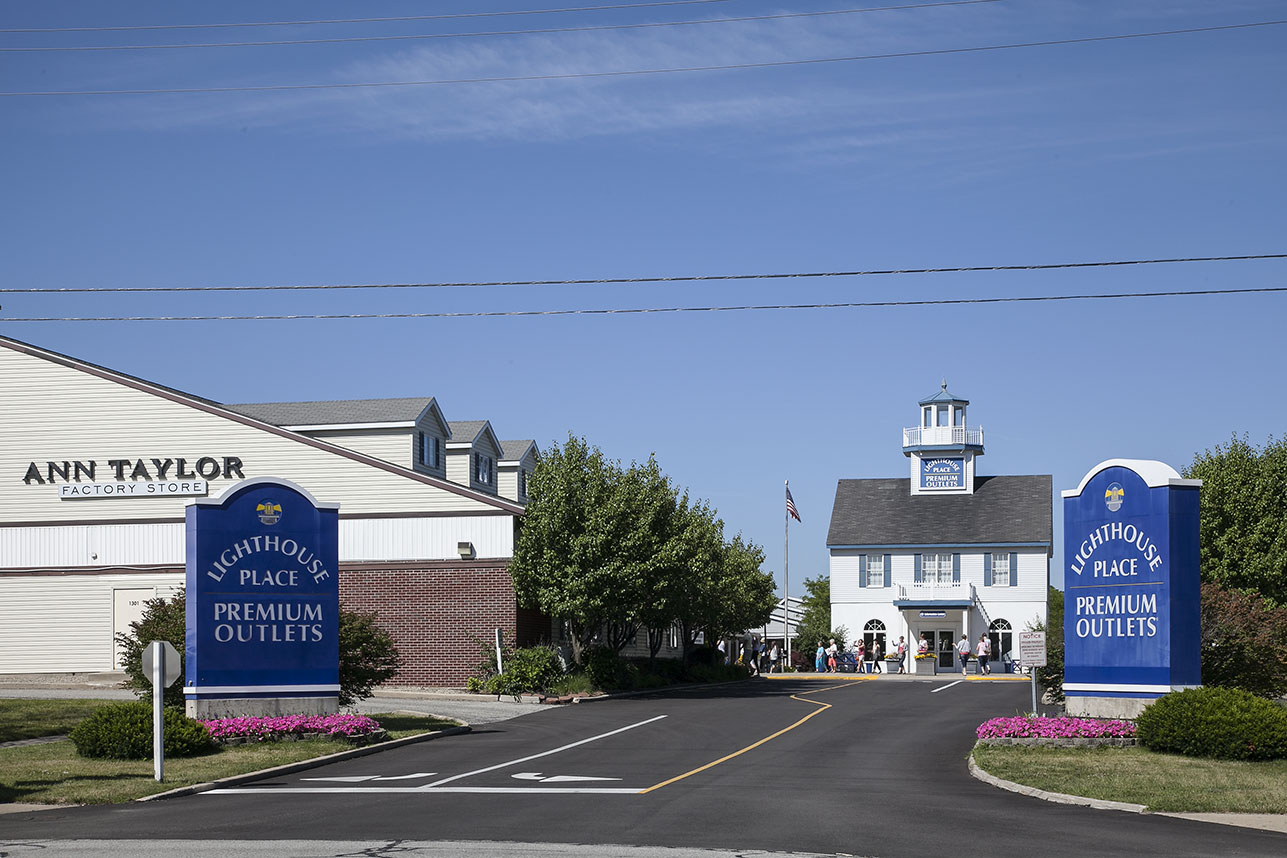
<point x="825" y="707"/>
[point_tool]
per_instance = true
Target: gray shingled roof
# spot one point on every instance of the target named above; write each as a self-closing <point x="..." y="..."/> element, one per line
<point x="465" y="430"/>
<point x="512" y="451"/>
<point x="335" y="411"/>
<point x="1002" y="510"/>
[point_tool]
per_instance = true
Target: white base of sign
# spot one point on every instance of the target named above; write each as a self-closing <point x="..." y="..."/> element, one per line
<point x="261" y="707"/>
<point x="1106" y="707"/>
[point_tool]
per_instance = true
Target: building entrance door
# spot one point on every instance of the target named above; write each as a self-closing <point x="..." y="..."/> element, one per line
<point x="946" y="649"/>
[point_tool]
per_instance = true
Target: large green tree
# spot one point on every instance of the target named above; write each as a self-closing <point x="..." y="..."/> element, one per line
<point x="612" y="550"/>
<point x="1244" y="517"/>
<point x="568" y="559"/>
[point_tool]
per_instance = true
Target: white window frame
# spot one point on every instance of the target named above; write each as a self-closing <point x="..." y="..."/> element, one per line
<point x="936" y="568"/>
<point x="1001" y="570"/>
<point x="875" y="570"/>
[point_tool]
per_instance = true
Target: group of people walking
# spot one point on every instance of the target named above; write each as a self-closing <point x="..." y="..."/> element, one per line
<point x="829" y="657"/>
<point x="982" y="651"/>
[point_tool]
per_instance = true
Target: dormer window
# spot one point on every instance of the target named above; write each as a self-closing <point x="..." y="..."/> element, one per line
<point x="482" y="469"/>
<point x="430" y="450"/>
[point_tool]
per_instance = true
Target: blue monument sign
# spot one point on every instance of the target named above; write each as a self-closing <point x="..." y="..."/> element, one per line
<point x="1131" y="588"/>
<point x="262" y="602"/>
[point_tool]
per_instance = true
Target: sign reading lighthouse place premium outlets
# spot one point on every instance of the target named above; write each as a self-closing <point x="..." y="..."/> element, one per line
<point x="1131" y="588"/>
<point x="262" y="602"/>
<point x="944" y="472"/>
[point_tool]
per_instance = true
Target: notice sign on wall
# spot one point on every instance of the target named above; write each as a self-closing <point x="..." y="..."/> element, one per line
<point x="944" y="472"/>
<point x="262" y="595"/>
<point x="1131" y="596"/>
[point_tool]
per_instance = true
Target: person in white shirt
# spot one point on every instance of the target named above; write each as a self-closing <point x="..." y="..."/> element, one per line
<point x="963" y="651"/>
<point x="982" y="652"/>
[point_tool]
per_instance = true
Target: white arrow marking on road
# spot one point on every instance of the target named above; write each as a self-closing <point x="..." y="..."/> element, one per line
<point x="557" y="779"/>
<point x="408" y="777"/>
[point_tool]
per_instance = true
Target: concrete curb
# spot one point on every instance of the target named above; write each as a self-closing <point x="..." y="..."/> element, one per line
<point x="305" y="765"/>
<point x="1056" y="797"/>
<point x="1261" y="821"/>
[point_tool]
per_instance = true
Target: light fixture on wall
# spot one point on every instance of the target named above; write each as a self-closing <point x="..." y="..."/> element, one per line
<point x="465" y="550"/>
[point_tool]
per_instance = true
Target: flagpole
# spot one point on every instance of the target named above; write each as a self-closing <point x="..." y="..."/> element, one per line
<point x="786" y="576"/>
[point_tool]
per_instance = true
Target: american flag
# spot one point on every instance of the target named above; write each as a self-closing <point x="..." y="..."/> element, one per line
<point x="791" y="510"/>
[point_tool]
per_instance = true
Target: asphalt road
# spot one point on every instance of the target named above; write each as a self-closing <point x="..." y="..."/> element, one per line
<point x="860" y="768"/>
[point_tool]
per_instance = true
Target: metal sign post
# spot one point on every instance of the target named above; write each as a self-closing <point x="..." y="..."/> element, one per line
<point x="500" y="667"/>
<point x="161" y="666"/>
<point x="1032" y="654"/>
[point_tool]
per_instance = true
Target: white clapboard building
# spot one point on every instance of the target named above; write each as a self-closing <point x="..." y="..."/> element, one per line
<point x="944" y="552"/>
<point x="96" y="468"/>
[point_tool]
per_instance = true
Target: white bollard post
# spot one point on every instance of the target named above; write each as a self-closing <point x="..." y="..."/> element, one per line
<point x="158" y="710"/>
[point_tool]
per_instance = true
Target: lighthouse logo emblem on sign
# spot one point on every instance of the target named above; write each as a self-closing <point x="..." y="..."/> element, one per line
<point x="1114" y="496"/>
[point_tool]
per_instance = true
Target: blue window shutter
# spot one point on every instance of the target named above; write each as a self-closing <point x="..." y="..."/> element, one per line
<point x="888" y="573"/>
<point x="862" y="570"/>
<point x="987" y="569"/>
<point x="956" y="569"/>
<point x="1014" y="569"/>
<point x="917" y="575"/>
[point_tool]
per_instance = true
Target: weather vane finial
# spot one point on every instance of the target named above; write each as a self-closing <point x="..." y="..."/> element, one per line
<point x="945" y="383"/>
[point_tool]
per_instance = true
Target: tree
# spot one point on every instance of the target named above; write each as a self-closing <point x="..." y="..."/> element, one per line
<point x="368" y="655"/>
<point x="1244" y="517"/>
<point x="1244" y="642"/>
<point x="586" y="543"/>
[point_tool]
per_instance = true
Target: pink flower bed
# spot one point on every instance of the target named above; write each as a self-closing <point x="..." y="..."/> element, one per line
<point x="265" y="729"/>
<point x="1055" y="728"/>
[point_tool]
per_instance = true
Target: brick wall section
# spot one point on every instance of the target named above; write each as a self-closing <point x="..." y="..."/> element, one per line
<point x="437" y="615"/>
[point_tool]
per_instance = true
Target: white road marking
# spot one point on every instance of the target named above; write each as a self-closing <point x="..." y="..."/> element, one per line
<point x="436" y="784"/>
<point x="354" y="779"/>
<point x="365" y="790"/>
<point x="556" y="779"/>
<point x="945" y="687"/>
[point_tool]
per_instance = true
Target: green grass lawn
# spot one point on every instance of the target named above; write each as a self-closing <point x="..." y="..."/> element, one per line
<point x="53" y="773"/>
<point x="1161" y="782"/>
<point x="32" y="719"/>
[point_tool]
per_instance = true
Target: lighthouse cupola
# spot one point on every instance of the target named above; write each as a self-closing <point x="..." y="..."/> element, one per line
<point x="942" y="448"/>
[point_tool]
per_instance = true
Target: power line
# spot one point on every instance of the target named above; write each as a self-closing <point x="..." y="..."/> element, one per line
<point x="528" y="32"/>
<point x="442" y="17"/>
<point x="647" y="310"/>
<point x="640" y="72"/>
<point x="683" y="278"/>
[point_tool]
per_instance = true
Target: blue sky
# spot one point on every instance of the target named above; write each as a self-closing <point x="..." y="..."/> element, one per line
<point x="1128" y="149"/>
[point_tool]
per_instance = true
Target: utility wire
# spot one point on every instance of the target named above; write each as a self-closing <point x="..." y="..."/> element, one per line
<point x="644" y="310"/>
<point x="606" y="8"/>
<point x="639" y="72"/>
<point x="528" y="32"/>
<point x="687" y="278"/>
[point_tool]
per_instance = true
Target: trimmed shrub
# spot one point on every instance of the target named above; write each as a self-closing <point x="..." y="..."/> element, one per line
<point x="123" y="731"/>
<point x="605" y="668"/>
<point x="1221" y="723"/>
